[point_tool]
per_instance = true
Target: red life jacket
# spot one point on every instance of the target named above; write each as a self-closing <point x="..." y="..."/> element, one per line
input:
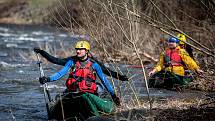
<point x="172" y="57"/>
<point x="82" y="78"/>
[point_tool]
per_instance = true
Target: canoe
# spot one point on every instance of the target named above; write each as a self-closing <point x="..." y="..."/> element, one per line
<point x="69" y="107"/>
<point x="72" y="106"/>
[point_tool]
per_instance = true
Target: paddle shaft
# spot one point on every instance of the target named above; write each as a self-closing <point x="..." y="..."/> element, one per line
<point x="45" y="90"/>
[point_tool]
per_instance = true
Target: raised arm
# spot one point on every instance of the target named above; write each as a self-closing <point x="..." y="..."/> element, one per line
<point x="51" y="58"/>
<point x="63" y="61"/>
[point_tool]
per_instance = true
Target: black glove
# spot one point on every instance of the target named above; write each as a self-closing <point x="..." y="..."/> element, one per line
<point x="116" y="100"/>
<point x="123" y="78"/>
<point x="44" y="79"/>
<point x="37" y="50"/>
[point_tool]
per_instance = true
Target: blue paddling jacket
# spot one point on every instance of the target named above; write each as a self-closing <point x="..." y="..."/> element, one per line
<point x="95" y="66"/>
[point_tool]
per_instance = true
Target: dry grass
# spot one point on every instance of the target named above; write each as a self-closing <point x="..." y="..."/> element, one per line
<point x="189" y="108"/>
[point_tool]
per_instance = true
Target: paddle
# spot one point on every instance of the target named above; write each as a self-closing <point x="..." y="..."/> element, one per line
<point x="45" y="89"/>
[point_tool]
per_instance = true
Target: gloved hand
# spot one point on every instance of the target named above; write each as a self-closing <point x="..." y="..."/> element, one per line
<point x="44" y="79"/>
<point x="116" y="100"/>
<point x="37" y="50"/>
<point x="123" y="78"/>
<point x="152" y="72"/>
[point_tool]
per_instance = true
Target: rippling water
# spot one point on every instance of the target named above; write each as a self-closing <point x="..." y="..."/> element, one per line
<point x="21" y="96"/>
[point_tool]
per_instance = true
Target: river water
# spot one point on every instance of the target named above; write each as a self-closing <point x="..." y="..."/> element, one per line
<point x="21" y="96"/>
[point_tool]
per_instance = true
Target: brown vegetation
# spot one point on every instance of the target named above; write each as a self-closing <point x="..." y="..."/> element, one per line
<point x="131" y="31"/>
<point x="117" y="25"/>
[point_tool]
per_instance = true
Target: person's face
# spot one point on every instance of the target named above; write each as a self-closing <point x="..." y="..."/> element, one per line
<point x="172" y="45"/>
<point x="81" y="53"/>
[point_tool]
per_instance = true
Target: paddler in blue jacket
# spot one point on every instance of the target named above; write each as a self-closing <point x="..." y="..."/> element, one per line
<point x="82" y="74"/>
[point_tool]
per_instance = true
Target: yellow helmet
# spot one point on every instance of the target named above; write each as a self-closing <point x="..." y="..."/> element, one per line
<point x="182" y="38"/>
<point x="83" y="44"/>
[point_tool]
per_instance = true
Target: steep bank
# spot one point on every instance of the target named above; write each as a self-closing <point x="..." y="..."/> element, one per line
<point x="25" y="11"/>
<point x="49" y="12"/>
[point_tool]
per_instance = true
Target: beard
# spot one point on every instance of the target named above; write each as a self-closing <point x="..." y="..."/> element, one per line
<point x="82" y="57"/>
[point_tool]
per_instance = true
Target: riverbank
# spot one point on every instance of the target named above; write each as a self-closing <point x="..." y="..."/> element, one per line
<point x="25" y="11"/>
<point x="40" y="12"/>
<point x="174" y="109"/>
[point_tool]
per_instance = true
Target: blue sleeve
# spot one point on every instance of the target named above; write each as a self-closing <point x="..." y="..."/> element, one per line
<point x="62" y="72"/>
<point x="102" y="77"/>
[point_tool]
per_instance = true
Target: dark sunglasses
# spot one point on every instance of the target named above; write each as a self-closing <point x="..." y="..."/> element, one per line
<point x="80" y="48"/>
